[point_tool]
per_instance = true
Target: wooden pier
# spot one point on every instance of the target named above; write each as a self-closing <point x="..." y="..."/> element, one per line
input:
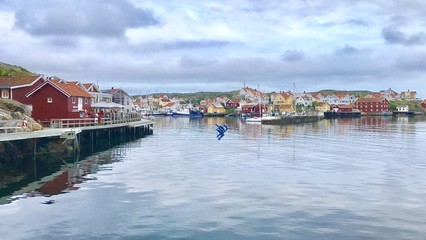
<point x="69" y="128"/>
<point x="70" y="138"/>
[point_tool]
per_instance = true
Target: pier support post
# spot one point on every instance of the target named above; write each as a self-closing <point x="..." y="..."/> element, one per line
<point x="35" y="157"/>
<point x="93" y="141"/>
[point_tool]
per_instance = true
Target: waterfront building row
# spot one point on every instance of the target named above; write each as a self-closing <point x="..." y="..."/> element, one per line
<point x="53" y="98"/>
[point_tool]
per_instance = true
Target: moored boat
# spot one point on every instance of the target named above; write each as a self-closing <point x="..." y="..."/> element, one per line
<point x="187" y="113"/>
<point x="263" y="118"/>
<point x="254" y="119"/>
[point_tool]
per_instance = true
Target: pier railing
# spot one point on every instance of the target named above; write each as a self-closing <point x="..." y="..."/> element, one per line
<point x="12" y="126"/>
<point x="95" y="121"/>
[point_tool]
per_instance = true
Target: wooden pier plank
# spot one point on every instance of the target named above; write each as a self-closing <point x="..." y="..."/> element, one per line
<point x="57" y="132"/>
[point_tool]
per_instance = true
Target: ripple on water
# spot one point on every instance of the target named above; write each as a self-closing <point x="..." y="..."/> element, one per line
<point x="356" y="179"/>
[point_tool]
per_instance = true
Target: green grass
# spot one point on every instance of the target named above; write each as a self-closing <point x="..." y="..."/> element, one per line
<point x="12" y="70"/>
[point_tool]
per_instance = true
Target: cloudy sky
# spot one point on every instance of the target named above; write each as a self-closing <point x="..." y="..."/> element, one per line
<point x="147" y="46"/>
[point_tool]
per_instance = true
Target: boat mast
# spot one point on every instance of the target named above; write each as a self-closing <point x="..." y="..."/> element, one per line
<point x="294" y="97"/>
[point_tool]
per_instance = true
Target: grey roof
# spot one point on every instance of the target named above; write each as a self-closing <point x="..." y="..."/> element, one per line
<point x="107" y="105"/>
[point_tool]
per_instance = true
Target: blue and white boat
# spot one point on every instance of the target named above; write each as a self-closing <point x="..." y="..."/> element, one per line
<point x="187" y="113"/>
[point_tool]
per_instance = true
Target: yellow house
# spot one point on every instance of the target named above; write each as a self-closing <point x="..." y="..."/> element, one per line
<point x="216" y="108"/>
<point x="282" y="98"/>
<point x="163" y="102"/>
<point x="322" y="107"/>
<point x="409" y="95"/>
<point x="285" y="108"/>
<point x="283" y="102"/>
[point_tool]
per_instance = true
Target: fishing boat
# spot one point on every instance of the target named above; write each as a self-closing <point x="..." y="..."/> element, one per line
<point x="157" y="113"/>
<point x="187" y="113"/>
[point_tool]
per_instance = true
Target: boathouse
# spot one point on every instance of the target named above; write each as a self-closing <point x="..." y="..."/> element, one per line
<point x="342" y="108"/>
<point x="57" y="99"/>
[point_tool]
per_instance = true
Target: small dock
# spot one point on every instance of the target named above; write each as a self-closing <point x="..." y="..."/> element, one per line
<point x="332" y="115"/>
<point x="45" y="133"/>
<point x="71" y="137"/>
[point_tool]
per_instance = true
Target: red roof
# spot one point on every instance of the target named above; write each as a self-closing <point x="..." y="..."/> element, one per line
<point x="169" y="104"/>
<point x="14" y="81"/>
<point x="87" y="85"/>
<point x="374" y="95"/>
<point x="112" y="90"/>
<point x="72" y="88"/>
<point x="67" y="88"/>
<point x="254" y="92"/>
<point x="316" y="95"/>
<point x="370" y="100"/>
<point x="344" y="106"/>
<point x="286" y="95"/>
<point x="408" y="92"/>
<point x="341" y="95"/>
<point x="91" y="87"/>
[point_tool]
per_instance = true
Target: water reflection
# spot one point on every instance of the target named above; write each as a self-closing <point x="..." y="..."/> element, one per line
<point x="338" y="179"/>
<point x="53" y="177"/>
<point x="45" y="175"/>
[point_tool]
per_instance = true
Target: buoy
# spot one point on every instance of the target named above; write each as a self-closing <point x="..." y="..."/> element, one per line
<point x="221" y="130"/>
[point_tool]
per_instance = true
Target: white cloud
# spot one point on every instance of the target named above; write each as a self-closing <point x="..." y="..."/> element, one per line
<point x="187" y="44"/>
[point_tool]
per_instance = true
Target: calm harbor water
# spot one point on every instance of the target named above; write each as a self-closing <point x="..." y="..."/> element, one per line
<point x="335" y="179"/>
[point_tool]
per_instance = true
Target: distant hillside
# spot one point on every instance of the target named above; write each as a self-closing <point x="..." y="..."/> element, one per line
<point x="12" y="70"/>
<point x="198" y="96"/>
<point x="357" y="93"/>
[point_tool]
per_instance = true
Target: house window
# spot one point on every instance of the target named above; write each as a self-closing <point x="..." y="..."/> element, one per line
<point x="86" y="100"/>
<point x="73" y="99"/>
<point x="4" y="93"/>
<point x="49" y="100"/>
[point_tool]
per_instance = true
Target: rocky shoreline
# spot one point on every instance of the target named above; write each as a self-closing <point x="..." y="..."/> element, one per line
<point x="13" y="113"/>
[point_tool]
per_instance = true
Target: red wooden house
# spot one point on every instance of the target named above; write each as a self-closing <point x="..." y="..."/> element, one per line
<point x="247" y="109"/>
<point x="14" y="87"/>
<point x="342" y="108"/>
<point x="57" y="99"/>
<point x="254" y="110"/>
<point x="232" y="103"/>
<point x="372" y="105"/>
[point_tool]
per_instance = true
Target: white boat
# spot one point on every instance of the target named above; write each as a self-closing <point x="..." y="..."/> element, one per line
<point x="259" y="119"/>
<point x="188" y="113"/>
<point x="270" y="117"/>
<point x="254" y="119"/>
